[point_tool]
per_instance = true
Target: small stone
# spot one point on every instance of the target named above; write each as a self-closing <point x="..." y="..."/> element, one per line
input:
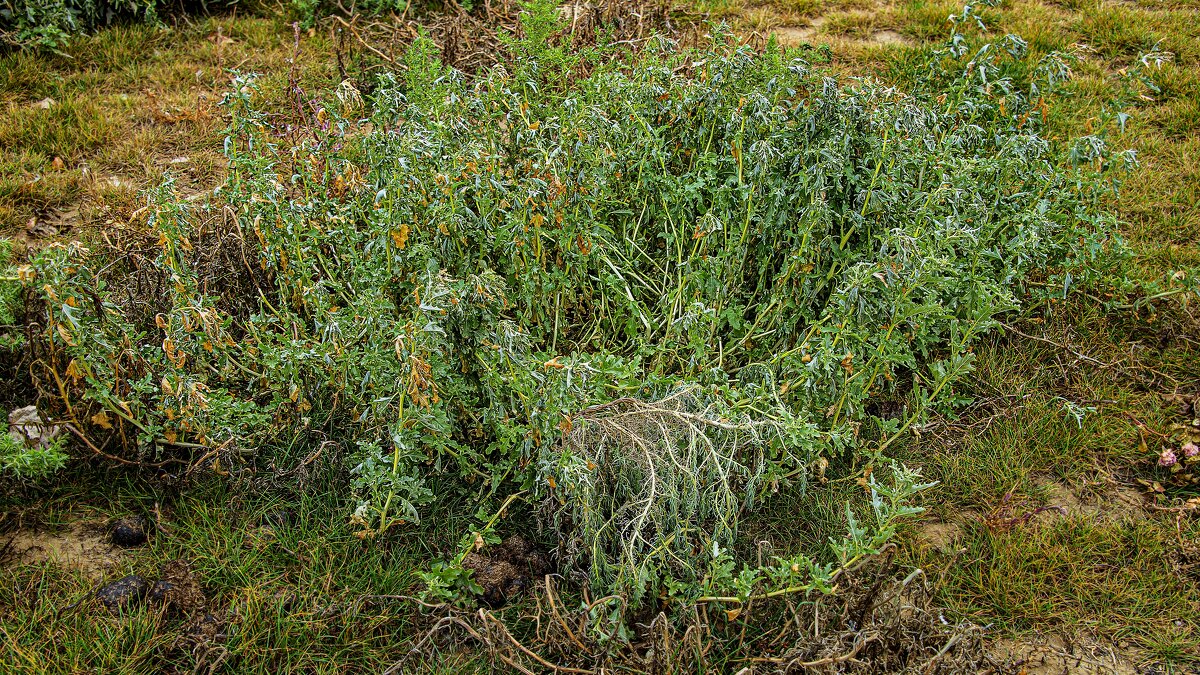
<point x="129" y="532"/>
<point x="123" y="593"/>
<point x="46" y="103"/>
<point x="26" y="425"/>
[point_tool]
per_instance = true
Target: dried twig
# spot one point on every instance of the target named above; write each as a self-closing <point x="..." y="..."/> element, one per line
<point x="1061" y="346"/>
<point x="488" y="616"/>
<point x="120" y="460"/>
<point x="561" y="621"/>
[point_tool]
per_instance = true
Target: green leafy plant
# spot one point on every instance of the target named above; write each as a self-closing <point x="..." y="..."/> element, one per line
<point x="49" y="23"/>
<point x="24" y="461"/>
<point x="11" y="300"/>
<point x="639" y="293"/>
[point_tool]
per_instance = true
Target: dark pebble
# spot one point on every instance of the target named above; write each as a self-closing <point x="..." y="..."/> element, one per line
<point x="129" y="532"/>
<point x="123" y="593"/>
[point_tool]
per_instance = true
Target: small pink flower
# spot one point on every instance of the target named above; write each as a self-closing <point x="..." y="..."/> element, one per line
<point x="1190" y="449"/>
<point x="1167" y="458"/>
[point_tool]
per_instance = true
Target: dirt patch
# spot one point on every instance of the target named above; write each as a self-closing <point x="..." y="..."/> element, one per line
<point x="939" y="534"/>
<point x="1053" y="655"/>
<point x="80" y="544"/>
<point x="506" y="570"/>
<point x="1119" y="502"/>
<point x="943" y="535"/>
<point x="791" y="36"/>
<point x="795" y="35"/>
<point x="888" y="37"/>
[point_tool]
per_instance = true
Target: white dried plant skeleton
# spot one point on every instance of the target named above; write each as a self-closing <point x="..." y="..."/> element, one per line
<point x="643" y="476"/>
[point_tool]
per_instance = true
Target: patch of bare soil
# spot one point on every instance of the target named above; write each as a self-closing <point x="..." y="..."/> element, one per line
<point x="1052" y="655"/>
<point x="942" y="535"/>
<point x="888" y="37"/>
<point x="939" y="534"/>
<point x="1119" y="502"/>
<point x="80" y="544"/>
<point x="506" y="570"/>
<point x="791" y="36"/>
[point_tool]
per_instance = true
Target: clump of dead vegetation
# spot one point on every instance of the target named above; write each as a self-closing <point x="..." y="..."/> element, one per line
<point x="882" y="620"/>
<point x="472" y="40"/>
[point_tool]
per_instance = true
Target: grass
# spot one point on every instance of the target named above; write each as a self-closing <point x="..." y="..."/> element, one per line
<point x="132" y="99"/>
<point x="1103" y="568"/>
<point x="126" y="105"/>
<point x="308" y="596"/>
<point x="1116" y="580"/>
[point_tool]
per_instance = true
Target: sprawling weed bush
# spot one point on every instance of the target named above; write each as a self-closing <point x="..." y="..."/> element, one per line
<point x="636" y="293"/>
<point x="49" y="23"/>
